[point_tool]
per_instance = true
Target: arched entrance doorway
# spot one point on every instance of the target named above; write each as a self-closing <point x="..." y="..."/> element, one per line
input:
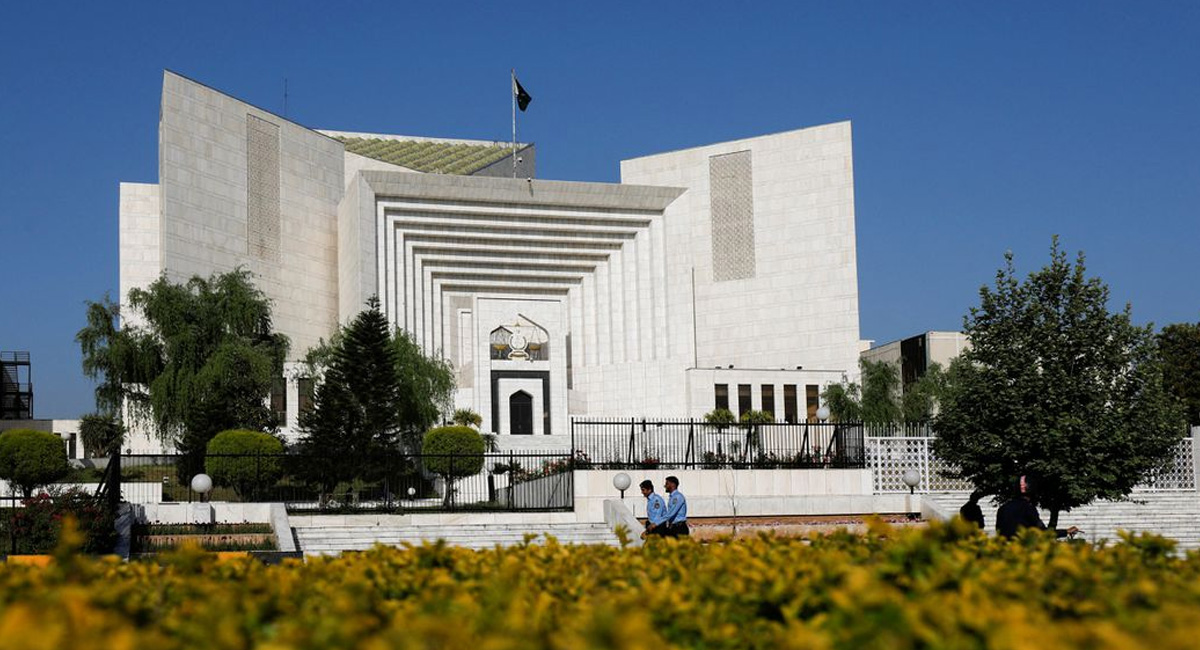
<point x="520" y="414"/>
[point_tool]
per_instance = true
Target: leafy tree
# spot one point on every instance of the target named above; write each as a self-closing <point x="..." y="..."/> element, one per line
<point x="880" y="392"/>
<point x="843" y="400"/>
<point x="246" y="461"/>
<point x="875" y="401"/>
<point x="1180" y="345"/>
<point x="427" y="388"/>
<point x="921" y="398"/>
<point x="203" y="356"/>
<point x="453" y="452"/>
<point x="101" y="434"/>
<point x="1056" y="387"/>
<point x="356" y="408"/>
<point x="882" y="400"/>
<point x="119" y="359"/>
<point x="30" y="459"/>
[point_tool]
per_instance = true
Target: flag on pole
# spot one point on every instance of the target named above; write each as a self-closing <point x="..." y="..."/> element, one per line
<point x="523" y="98"/>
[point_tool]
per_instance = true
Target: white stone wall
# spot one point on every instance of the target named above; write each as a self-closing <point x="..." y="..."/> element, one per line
<point x="801" y="306"/>
<point x="725" y="493"/>
<point x="140" y="237"/>
<point x="203" y="180"/>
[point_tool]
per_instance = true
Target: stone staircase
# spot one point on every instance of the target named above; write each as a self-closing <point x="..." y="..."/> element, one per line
<point x="328" y="540"/>
<point x="1171" y="514"/>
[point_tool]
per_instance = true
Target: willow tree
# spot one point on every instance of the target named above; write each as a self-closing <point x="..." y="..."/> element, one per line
<point x="1056" y="387"/>
<point x="195" y="358"/>
<point x="120" y="361"/>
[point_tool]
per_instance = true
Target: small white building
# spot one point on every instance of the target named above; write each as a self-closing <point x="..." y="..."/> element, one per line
<point x="915" y="354"/>
<point x="724" y="275"/>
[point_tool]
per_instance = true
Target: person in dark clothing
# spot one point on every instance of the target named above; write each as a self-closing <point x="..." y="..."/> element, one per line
<point x="972" y="512"/>
<point x="1019" y="512"/>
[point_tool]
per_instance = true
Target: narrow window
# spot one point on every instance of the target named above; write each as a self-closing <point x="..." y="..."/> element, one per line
<point x="744" y="399"/>
<point x="279" y="399"/>
<point x="813" y="398"/>
<point x="306" y="389"/>
<point x="768" y="399"/>
<point x="722" y="396"/>
<point x="789" y="403"/>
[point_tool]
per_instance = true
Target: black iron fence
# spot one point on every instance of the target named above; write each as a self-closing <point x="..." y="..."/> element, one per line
<point x="392" y="483"/>
<point x="695" y="444"/>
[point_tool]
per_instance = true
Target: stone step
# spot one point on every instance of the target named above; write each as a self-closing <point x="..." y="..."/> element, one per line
<point x="1172" y="514"/>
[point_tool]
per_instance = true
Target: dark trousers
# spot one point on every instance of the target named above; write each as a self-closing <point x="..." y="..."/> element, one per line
<point x="678" y="529"/>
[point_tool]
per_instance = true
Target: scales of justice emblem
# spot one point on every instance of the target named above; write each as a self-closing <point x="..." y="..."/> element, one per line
<point x="518" y="347"/>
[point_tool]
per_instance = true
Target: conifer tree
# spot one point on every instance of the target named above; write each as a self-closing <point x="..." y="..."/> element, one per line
<point x="353" y="429"/>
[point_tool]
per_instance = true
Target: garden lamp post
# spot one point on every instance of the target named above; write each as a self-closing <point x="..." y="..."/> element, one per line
<point x="622" y="482"/>
<point x="911" y="478"/>
<point x="823" y="413"/>
<point x="202" y="484"/>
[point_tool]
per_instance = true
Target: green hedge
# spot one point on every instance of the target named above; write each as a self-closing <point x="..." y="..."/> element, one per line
<point x="256" y="466"/>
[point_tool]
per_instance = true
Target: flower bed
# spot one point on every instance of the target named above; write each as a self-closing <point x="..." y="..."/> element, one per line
<point x="936" y="587"/>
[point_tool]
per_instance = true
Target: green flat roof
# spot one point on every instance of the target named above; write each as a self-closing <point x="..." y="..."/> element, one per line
<point x="429" y="156"/>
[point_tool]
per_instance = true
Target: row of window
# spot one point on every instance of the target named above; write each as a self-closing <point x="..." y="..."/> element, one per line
<point x="745" y="400"/>
<point x="279" y="397"/>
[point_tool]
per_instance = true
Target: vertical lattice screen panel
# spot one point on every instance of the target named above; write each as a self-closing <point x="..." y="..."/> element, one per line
<point x="731" y="192"/>
<point x="889" y="457"/>
<point x="1177" y="474"/>
<point x="262" y="188"/>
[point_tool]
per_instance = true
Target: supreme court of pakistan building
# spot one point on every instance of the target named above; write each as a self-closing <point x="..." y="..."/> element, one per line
<point x="723" y="275"/>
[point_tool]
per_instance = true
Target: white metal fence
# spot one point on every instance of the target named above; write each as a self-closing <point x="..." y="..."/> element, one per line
<point x="889" y="457"/>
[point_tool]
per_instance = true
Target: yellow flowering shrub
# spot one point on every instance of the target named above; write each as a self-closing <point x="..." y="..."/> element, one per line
<point x="944" y="586"/>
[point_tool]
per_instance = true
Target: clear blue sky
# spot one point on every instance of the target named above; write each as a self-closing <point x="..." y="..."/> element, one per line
<point x="978" y="127"/>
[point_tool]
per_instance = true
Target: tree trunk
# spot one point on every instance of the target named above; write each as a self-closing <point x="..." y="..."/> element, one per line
<point x="1053" y="525"/>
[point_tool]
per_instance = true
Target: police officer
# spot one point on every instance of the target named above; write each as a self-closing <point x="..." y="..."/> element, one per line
<point x="676" y="517"/>
<point x="656" y="510"/>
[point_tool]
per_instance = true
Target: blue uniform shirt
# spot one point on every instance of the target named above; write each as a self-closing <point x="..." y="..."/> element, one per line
<point x="656" y="509"/>
<point x="676" y="508"/>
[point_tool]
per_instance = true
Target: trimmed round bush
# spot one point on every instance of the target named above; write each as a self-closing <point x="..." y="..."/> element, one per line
<point x="464" y="444"/>
<point x="30" y="459"/>
<point x="247" y="461"/>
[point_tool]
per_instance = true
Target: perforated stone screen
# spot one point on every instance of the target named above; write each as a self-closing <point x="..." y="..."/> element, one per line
<point x="731" y="192"/>
<point x="262" y="188"/>
<point x="889" y="457"/>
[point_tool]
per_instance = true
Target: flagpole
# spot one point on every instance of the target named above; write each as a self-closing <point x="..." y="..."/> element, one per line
<point x="513" y="90"/>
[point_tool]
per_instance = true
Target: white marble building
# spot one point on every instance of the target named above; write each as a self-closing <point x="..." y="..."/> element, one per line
<point x="724" y="274"/>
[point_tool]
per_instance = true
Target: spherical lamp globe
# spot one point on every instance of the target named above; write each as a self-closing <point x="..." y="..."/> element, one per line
<point x="202" y="483"/>
<point x="622" y="482"/>
<point x="823" y="413"/>
<point x="911" y="478"/>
